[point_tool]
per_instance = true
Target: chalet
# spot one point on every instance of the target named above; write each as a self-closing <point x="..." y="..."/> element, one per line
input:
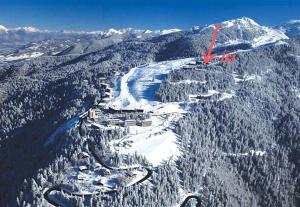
<point x="97" y="166"/>
<point x="83" y="168"/>
<point x="130" y="122"/>
<point x="83" y="156"/>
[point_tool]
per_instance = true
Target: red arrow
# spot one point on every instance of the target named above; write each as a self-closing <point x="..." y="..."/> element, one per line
<point x="208" y="57"/>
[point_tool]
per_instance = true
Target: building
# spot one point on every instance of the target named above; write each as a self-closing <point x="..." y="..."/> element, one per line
<point x="104" y="85"/>
<point x="147" y="122"/>
<point x="81" y="177"/>
<point x="85" y="82"/>
<point x="105" y="172"/>
<point x="114" y="122"/>
<point x="92" y="114"/>
<point x="102" y="104"/>
<point x="102" y="79"/>
<point x="83" y="156"/>
<point x="123" y="111"/>
<point x="130" y="122"/>
<point x="83" y="168"/>
<point x="105" y="100"/>
<point x="107" y="95"/>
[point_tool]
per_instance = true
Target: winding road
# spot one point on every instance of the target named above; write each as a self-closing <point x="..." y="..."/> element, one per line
<point x="192" y="197"/>
<point x="92" y="149"/>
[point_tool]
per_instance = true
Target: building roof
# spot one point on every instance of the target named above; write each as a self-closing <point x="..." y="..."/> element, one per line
<point x="83" y="167"/>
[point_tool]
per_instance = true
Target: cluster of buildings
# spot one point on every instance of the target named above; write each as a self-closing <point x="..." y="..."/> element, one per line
<point x="117" y="117"/>
<point x="108" y="178"/>
<point x="119" y="120"/>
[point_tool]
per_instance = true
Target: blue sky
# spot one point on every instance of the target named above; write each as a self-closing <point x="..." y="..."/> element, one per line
<point x="153" y="14"/>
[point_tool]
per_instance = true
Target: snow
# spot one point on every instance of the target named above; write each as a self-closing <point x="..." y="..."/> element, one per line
<point x="252" y="152"/>
<point x="294" y="21"/>
<point x="210" y="93"/>
<point x="156" y="148"/>
<point x="257" y="153"/>
<point x="168" y="31"/>
<point x="147" y="31"/>
<point x="3" y="29"/>
<point x="296" y="91"/>
<point x="188" y="81"/>
<point x="193" y="97"/>
<point x="252" y="77"/>
<point x="64" y="127"/>
<point x="136" y="89"/>
<point x="265" y="35"/>
<point x="88" y="185"/>
<point x="156" y="143"/>
<point x="226" y="95"/>
<point x="270" y="36"/>
<point x="244" y="21"/>
<point x="28" y="29"/>
<point x="168" y="108"/>
<point x="238" y="78"/>
<point x="12" y="57"/>
<point x="138" y="86"/>
<point x="112" y="31"/>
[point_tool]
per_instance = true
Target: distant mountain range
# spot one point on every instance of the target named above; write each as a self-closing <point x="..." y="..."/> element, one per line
<point x="242" y="33"/>
<point x="242" y="28"/>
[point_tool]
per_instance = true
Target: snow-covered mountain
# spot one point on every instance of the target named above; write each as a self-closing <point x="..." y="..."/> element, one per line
<point x="291" y="28"/>
<point x="244" y="30"/>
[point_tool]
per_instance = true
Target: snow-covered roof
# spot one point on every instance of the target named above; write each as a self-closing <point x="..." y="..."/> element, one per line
<point x="83" y="167"/>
